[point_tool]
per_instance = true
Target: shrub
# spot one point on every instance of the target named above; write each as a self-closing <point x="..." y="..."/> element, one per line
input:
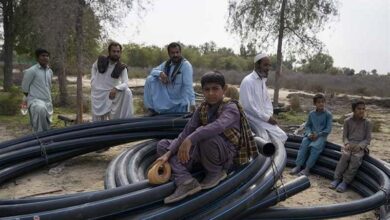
<point x="232" y="92"/>
<point x="10" y="101"/>
<point x="295" y="104"/>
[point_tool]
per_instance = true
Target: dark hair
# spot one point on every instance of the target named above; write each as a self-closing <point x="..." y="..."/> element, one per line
<point x="114" y="44"/>
<point x="40" y="51"/>
<point x="356" y="103"/>
<point x="213" y="77"/>
<point x="318" y="96"/>
<point x="173" y="45"/>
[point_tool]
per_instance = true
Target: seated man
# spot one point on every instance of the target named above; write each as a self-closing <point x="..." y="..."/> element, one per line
<point x="257" y="103"/>
<point x="356" y="137"/>
<point x="111" y="97"/>
<point x="168" y="88"/>
<point x="317" y="129"/>
<point x="36" y="86"/>
<point x="216" y="135"/>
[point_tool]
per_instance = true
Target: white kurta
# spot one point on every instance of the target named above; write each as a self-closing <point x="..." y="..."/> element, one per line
<point x="101" y="84"/>
<point x="258" y="107"/>
<point x="37" y="83"/>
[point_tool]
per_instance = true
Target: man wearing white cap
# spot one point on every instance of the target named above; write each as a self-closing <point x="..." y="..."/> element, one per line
<point x="257" y="103"/>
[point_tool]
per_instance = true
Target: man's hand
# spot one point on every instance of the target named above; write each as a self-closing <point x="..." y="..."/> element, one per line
<point x="163" y="78"/>
<point x="313" y="136"/>
<point x="346" y="147"/>
<point x="272" y="121"/>
<point x="184" y="151"/>
<point x="164" y="158"/>
<point x="112" y="93"/>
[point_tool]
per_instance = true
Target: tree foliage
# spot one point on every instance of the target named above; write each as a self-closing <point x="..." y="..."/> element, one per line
<point x="292" y="23"/>
<point x="319" y="63"/>
<point x="258" y="22"/>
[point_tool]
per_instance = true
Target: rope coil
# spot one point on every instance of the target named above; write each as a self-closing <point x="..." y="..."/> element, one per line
<point x="159" y="173"/>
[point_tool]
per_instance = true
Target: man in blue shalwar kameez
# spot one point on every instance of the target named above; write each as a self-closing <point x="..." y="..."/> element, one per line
<point x="168" y="88"/>
<point x="318" y="127"/>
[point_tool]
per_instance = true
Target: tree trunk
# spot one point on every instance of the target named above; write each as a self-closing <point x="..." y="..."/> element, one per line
<point x="62" y="83"/>
<point x="279" y="56"/>
<point x="8" y="19"/>
<point x="79" y="60"/>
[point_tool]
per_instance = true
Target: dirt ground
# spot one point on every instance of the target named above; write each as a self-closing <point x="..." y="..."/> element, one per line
<point x="86" y="173"/>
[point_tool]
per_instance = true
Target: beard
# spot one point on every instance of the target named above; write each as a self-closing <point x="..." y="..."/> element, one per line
<point x="114" y="58"/>
<point x="175" y="59"/>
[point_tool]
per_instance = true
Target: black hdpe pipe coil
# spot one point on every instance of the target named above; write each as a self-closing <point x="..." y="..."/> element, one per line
<point x="104" y="206"/>
<point x="232" y="183"/>
<point x="285" y="191"/>
<point x="373" y="200"/>
<point x="115" y="204"/>
<point x="138" y="126"/>
<point x="53" y="134"/>
<point x="237" y="203"/>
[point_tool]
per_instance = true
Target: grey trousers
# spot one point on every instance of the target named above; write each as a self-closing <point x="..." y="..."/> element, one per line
<point x="348" y="165"/>
<point x="215" y="154"/>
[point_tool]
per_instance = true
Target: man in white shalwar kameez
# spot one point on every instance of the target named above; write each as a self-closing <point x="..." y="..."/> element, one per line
<point x="111" y="97"/>
<point x="257" y="104"/>
<point x="36" y="86"/>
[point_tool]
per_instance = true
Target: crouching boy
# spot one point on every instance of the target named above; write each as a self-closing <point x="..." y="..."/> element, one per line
<point x="217" y="135"/>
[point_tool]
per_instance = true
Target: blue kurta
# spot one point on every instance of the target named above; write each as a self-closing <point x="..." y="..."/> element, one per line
<point x="320" y="123"/>
<point x="176" y="96"/>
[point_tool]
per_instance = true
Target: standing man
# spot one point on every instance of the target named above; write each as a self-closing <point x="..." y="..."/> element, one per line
<point x="36" y="86"/>
<point x="256" y="102"/>
<point x="168" y="88"/>
<point x="111" y="97"/>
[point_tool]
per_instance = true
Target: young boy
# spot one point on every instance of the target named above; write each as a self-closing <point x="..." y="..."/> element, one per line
<point x="217" y="134"/>
<point x="356" y="138"/>
<point x="318" y="127"/>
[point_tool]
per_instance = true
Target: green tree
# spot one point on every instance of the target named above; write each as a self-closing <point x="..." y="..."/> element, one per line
<point x="348" y="71"/>
<point x="292" y="23"/>
<point x="319" y="63"/>
<point x="36" y="27"/>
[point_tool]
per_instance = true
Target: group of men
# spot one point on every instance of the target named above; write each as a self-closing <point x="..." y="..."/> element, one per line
<point x="168" y="89"/>
<point x="220" y="132"/>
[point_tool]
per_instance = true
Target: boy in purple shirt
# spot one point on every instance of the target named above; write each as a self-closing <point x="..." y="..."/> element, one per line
<point x="217" y="133"/>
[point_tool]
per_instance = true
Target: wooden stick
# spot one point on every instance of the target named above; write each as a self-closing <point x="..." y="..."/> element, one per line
<point x="41" y="193"/>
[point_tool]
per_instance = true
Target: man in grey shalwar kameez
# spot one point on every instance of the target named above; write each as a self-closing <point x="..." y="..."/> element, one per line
<point x="36" y="86"/>
<point x="111" y="97"/>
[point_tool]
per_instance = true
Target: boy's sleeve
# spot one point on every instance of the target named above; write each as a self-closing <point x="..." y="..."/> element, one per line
<point x="364" y="143"/>
<point x="345" y="132"/>
<point x="328" y="127"/>
<point x="308" y="126"/>
<point x="228" y="117"/>
<point x="188" y="129"/>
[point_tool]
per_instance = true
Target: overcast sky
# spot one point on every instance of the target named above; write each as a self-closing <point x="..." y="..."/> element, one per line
<point x="359" y="38"/>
